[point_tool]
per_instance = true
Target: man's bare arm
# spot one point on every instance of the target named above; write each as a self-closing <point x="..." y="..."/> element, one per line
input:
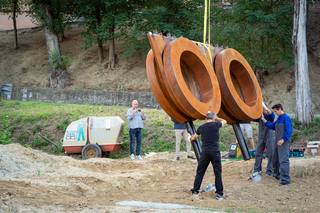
<point x="224" y="122"/>
<point x="194" y="136"/>
<point x="263" y="119"/>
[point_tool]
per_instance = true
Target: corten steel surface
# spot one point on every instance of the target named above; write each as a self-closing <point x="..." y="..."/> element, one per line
<point x="160" y="93"/>
<point x="185" y="88"/>
<point x="240" y="90"/>
<point x="186" y="85"/>
<point x="189" y="79"/>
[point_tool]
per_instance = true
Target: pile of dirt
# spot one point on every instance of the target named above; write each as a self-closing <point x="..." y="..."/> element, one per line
<point x="35" y="181"/>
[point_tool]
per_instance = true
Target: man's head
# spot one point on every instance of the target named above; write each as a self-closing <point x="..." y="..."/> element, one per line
<point x="134" y="104"/>
<point x="210" y="116"/>
<point x="278" y="109"/>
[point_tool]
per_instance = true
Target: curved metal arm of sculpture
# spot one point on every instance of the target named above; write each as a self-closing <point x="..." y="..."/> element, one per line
<point x="187" y="86"/>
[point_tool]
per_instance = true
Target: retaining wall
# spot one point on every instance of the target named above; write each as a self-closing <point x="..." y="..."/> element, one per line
<point x="94" y="97"/>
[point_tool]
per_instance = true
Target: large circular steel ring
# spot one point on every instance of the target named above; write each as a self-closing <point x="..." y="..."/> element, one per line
<point x="189" y="79"/>
<point x="240" y="90"/>
<point x="160" y="93"/>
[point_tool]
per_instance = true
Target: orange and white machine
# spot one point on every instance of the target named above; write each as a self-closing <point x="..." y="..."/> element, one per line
<point x="94" y="136"/>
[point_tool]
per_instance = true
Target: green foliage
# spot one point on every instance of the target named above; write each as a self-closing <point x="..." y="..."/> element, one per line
<point x="57" y="61"/>
<point x="57" y="15"/>
<point x="160" y="123"/>
<point x="5" y="130"/>
<point x="35" y="129"/>
<point x="294" y="136"/>
<point x="295" y="123"/>
<point x="23" y="137"/>
<point x="64" y="125"/>
<point x="177" y="17"/>
<point x="39" y="142"/>
<point x="54" y="149"/>
<point x="8" y="6"/>
<point x="115" y="156"/>
<point x="260" y="30"/>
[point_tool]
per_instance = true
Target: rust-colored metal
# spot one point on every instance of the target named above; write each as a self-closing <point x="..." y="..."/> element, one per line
<point x="185" y="84"/>
<point x="160" y="93"/>
<point x="241" y="93"/>
<point x="189" y="79"/>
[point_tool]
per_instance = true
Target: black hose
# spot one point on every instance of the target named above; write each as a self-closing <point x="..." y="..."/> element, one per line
<point x="195" y="144"/>
<point x="241" y="141"/>
<point x="58" y="152"/>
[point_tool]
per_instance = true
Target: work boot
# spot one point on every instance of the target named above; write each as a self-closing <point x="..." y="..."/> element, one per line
<point x="220" y="197"/>
<point x="195" y="196"/>
<point x="139" y="157"/>
<point x="132" y="156"/>
<point x="284" y="183"/>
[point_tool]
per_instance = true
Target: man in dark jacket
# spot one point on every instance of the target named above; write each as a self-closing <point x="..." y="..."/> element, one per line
<point x="210" y="153"/>
<point x="265" y="141"/>
<point x="283" y="131"/>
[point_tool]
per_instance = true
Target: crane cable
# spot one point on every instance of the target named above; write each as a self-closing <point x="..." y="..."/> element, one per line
<point x="204" y="45"/>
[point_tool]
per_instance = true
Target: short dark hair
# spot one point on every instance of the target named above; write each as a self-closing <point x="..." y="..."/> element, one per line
<point x="211" y="116"/>
<point x="277" y="107"/>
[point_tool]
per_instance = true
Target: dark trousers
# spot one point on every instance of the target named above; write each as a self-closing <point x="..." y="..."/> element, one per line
<point x="205" y="159"/>
<point x="135" y="133"/>
<point x="282" y="162"/>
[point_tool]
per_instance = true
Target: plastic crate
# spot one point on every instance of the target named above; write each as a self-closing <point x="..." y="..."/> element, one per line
<point x="295" y="154"/>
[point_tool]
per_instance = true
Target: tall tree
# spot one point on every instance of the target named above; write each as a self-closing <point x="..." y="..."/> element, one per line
<point x="304" y="111"/>
<point x="12" y="7"/>
<point x="260" y="30"/>
<point x="177" y="17"/>
<point x="101" y="19"/>
<point x="55" y="16"/>
<point x="96" y="31"/>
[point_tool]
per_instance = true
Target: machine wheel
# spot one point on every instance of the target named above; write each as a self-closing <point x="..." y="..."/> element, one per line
<point x="91" y="151"/>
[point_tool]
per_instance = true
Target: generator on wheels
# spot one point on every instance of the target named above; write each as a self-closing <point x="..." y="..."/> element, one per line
<point x="93" y="137"/>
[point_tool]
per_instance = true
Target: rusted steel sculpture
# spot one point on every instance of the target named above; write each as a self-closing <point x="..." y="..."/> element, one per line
<point x="187" y="84"/>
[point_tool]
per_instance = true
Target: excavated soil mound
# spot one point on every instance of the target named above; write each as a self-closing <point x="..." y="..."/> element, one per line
<point x="31" y="180"/>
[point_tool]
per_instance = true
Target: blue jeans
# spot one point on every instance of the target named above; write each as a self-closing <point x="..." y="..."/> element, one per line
<point x="135" y="133"/>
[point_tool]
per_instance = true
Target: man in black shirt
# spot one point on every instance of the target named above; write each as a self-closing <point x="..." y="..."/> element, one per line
<point x="210" y="153"/>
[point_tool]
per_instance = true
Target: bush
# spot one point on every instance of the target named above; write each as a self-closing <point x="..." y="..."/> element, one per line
<point x="5" y="131"/>
<point x="39" y="142"/>
<point x="55" y="61"/>
<point x="64" y="125"/>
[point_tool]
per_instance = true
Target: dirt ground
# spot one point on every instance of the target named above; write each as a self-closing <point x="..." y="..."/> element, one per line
<point x="35" y="181"/>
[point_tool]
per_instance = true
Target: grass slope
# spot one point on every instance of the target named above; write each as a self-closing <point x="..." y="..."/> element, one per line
<point x="21" y="121"/>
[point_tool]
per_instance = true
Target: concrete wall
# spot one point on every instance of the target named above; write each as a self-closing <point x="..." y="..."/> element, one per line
<point x="22" y="22"/>
<point x="94" y="97"/>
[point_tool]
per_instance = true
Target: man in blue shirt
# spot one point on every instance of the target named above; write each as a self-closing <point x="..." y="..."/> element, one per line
<point x="283" y="131"/>
<point x="265" y="140"/>
<point x="180" y="130"/>
<point x="135" y="117"/>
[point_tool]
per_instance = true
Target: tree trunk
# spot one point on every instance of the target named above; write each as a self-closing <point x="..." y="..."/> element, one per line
<point x="58" y="77"/>
<point x="259" y="75"/>
<point x="15" y="44"/>
<point x="111" y="62"/>
<point x="100" y="42"/>
<point x="304" y="111"/>
<point x="100" y="52"/>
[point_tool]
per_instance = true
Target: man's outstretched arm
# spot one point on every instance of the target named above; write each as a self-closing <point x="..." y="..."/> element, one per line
<point x="224" y="122"/>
